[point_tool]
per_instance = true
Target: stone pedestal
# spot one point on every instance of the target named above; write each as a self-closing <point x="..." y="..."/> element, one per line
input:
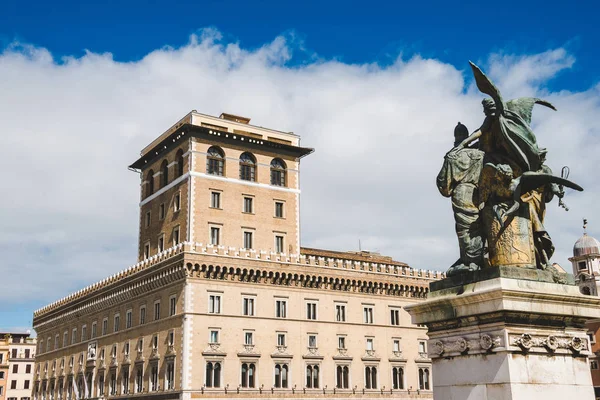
<point x="502" y="334"/>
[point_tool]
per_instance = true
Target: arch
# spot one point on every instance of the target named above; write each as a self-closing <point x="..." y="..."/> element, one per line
<point x="164" y="174"/>
<point x="215" y="161"/>
<point x="278" y="172"/>
<point x="150" y="179"/>
<point x="247" y="167"/>
<point x="179" y="160"/>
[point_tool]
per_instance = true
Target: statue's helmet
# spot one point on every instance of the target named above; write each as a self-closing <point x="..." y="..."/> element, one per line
<point x="460" y="132"/>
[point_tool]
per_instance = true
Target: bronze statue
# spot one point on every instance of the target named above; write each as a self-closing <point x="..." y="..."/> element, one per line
<point x="512" y="187"/>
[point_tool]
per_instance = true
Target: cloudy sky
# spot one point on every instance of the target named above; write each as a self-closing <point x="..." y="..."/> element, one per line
<point x="380" y="115"/>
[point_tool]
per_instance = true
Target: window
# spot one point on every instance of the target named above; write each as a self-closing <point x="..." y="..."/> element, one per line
<point x="311" y="310"/>
<point x="396" y="346"/>
<point x="581" y="265"/>
<point x="177" y="202"/>
<point x="214" y="336"/>
<point x="278" y="209"/>
<point x="128" y="319"/>
<point x="281" y="339"/>
<point x="370" y="377"/>
<point x="13" y="384"/>
<point x="342" y="377"/>
<point x="157" y="310"/>
<point x="422" y="348"/>
<point x="172" y="305"/>
<point x="14" y="351"/>
<point x="394" y="316"/>
<point x="281" y="308"/>
<point x="1" y="374"/>
<point x="213" y="374"/>
<point x="155" y="342"/>
<point x="126" y="348"/>
<point x="161" y="211"/>
<point x="248" y="337"/>
<point x="147" y="219"/>
<point x="117" y="324"/>
<point x="398" y="378"/>
<point x="248" y="306"/>
<point x="370" y="346"/>
<point x="139" y="379"/>
<point x="179" y="159"/>
<point x="140" y="345"/>
<point x="161" y="243"/>
<point x="171" y="338"/>
<point x="278" y="172"/>
<point x="214" y="236"/>
<point x="94" y="329"/>
<point x="340" y="312"/>
<point x="48" y="344"/>
<point x="176" y="236"/>
<point x="424" y="378"/>
<point x="247" y="167"/>
<point x="146" y="250"/>
<point x="84" y="333"/>
<point x="215" y="199"/>
<point x="125" y="380"/>
<point x="312" y="341"/>
<point x="26" y="353"/>
<point x="214" y="304"/>
<point x="154" y="378"/>
<point x="113" y="351"/>
<point x="312" y="376"/>
<point x="16" y="369"/>
<point x="279" y="244"/>
<point x="164" y="173"/>
<point x="104" y="326"/>
<point x="142" y="315"/>
<point x="170" y="376"/>
<point x="100" y="384"/>
<point x="341" y="342"/>
<point x="26" y="384"/>
<point x="248" y="205"/>
<point x="593" y="364"/>
<point x="215" y="161"/>
<point x="247" y="240"/>
<point x="281" y="375"/>
<point x="74" y="336"/>
<point x="368" y="315"/>
<point x="150" y="179"/>
<point x="248" y="375"/>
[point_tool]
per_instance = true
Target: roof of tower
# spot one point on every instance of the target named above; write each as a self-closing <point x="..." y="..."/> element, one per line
<point x="586" y="245"/>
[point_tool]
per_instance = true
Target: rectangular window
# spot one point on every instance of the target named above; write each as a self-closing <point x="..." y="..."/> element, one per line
<point x="125" y="380"/>
<point x="370" y="344"/>
<point x="128" y="319"/>
<point x="55" y="343"/>
<point x="146" y="250"/>
<point x="422" y="347"/>
<point x="247" y="240"/>
<point x="281" y="308"/>
<point x="154" y="378"/>
<point x="214" y="236"/>
<point x="177" y="202"/>
<point x="215" y="199"/>
<point x="368" y="315"/>
<point x="148" y="219"/>
<point x="248" y="306"/>
<point x="139" y="379"/>
<point x="214" y="336"/>
<point x="340" y="312"/>
<point x="104" y="326"/>
<point x="176" y="238"/>
<point x="74" y="336"/>
<point x="126" y="348"/>
<point x="396" y="345"/>
<point x="117" y="324"/>
<point x="312" y="341"/>
<point x="248" y="205"/>
<point x="140" y="345"/>
<point x="281" y="339"/>
<point x="142" y="315"/>
<point x="341" y="342"/>
<point x="28" y="369"/>
<point x="156" y="310"/>
<point x="65" y="339"/>
<point x="84" y="333"/>
<point x="311" y="310"/>
<point x="171" y="338"/>
<point x="155" y="342"/>
<point x="593" y="364"/>
<point x="94" y="329"/>
<point x="214" y="304"/>
<point x="15" y="369"/>
<point x="100" y="386"/>
<point x="47" y="344"/>
<point x="172" y="305"/>
<point x="170" y="376"/>
<point x="161" y="243"/>
<point x="279" y="244"/>
<point x="394" y="316"/>
<point x="278" y="209"/>
<point x="13" y="384"/>
<point x="161" y="211"/>
<point x="248" y="337"/>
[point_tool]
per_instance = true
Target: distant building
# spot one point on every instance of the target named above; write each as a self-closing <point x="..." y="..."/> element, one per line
<point x="224" y="299"/>
<point x="586" y="269"/>
<point x="17" y="353"/>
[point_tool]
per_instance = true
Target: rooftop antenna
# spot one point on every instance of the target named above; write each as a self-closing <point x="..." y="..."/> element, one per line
<point x="585" y="226"/>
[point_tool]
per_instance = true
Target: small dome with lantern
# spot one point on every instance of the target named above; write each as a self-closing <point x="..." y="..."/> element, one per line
<point x="586" y="245"/>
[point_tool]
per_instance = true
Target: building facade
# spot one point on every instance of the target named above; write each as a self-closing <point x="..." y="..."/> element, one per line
<point x="223" y="301"/>
<point x="17" y="353"/>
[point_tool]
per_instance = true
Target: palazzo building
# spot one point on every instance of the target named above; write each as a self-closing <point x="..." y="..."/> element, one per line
<point x="224" y="301"/>
<point x="17" y="353"/>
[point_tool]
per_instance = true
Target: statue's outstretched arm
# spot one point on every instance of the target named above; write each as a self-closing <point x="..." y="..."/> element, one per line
<point x="474" y="136"/>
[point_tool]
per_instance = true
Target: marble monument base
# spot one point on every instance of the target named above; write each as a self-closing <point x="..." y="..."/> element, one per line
<point x="508" y="333"/>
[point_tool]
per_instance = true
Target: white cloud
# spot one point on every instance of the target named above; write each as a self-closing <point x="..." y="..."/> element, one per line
<point x="70" y="128"/>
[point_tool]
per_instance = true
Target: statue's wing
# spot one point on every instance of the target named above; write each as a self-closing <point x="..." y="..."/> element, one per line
<point x="485" y="85"/>
<point x="533" y="180"/>
<point x="524" y="106"/>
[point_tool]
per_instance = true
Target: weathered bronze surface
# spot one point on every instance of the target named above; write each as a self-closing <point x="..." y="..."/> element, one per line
<point x="499" y="185"/>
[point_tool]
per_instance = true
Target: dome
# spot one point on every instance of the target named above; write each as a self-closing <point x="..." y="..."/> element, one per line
<point x="586" y="245"/>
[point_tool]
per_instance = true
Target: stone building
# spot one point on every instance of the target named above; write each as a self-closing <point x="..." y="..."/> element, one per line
<point x="223" y="301"/>
<point x="17" y="353"/>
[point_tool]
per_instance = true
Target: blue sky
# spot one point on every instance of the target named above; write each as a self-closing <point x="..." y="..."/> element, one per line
<point x="353" y="79"/>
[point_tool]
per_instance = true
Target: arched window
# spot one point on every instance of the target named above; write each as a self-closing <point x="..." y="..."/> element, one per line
<point x="215" y="161"/>
<point x="312" y="376"/>
<point x="150" y="179"/>
<point x="247" y="167"/>
<point x="342" y="379"/>
<point x="424" y="378"/>
<point x="281" y="375"/>
<point x="179" y="159"/>
<point x="586" y="290"/>
<point x="397" y="378"/>
<point x="164" y="173"/>
<point x="248" y="375"/>
<point x="370" y="377"/>
<point x="278" y="170"/>
<point x="217" y="375"/>
<point x="209" y="374"/>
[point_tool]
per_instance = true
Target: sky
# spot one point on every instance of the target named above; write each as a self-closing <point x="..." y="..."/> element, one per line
<point x="376" y="90"/>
